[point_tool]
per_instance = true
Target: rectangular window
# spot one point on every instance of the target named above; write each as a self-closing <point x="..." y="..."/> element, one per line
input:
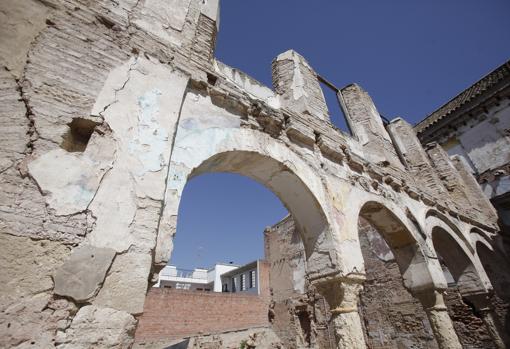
<point x="233" y="284"/>
<point x="242" y="281"/>
<point x="332" y="95"/>
<point x="253" y="281"/>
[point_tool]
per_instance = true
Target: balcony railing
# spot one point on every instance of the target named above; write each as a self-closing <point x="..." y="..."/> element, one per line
<point x="184" y="273"/>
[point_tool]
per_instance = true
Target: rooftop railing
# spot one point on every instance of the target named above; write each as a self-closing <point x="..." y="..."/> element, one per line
<point x="184" y="273"/>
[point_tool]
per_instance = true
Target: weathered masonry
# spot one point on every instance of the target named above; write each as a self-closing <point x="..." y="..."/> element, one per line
<point x="475" y="127"/>
<point x="109" y="108"/>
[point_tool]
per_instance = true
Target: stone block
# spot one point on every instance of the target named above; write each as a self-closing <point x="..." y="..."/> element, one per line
<point x="95" y="327"/>
<point x="81" y="275"/>
<point x="126" y="283"/>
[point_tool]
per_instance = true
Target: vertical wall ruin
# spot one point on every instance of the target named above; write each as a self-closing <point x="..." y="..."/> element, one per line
<point x="92" y="162"/>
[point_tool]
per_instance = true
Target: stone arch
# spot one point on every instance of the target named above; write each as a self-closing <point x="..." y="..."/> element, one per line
<point x="458" y="255"/>
<point x="434" y="217"/>
<point x="409" y="255"/>
<point x="282" y="181"/>
<point x="480" y="237"/>
<point x="263" y="159"/>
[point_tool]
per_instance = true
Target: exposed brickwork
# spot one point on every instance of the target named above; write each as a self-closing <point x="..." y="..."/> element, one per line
<point x="299" y="315"/>
<point x="447" y="173"/>
<point x="469" y="327"/>
<point x="415" y="157"/>
<point x="392" y="317"/>
<point x="367" y="125"/>
<point x="170" y="314"/>
<point x="143" y="73"/>
<point x="294" y="78"/>
<point x="475" y="193"/>
<point x="496" y="265"/>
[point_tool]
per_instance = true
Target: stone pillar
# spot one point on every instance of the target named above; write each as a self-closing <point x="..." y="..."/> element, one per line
<point x="414" y="156"/>
<point x="448" y="174"/>
<point x="442" y="326"/>
<point x="473" y="189"/>
<point x="342" y="295"/>
<point x="482" y="305"/>
<point x="298" y="85"/>
<point x="366" y="124"/>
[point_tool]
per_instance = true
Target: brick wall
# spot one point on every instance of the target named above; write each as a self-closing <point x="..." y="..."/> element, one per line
<point x="391" y="316"/>
<point x="300" y="317"/>
<point x="171" y="314"/>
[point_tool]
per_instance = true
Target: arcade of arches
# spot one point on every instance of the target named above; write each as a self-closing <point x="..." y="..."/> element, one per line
<point x="110" y="108"/>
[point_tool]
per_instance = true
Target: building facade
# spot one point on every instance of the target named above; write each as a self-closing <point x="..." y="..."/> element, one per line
<point x="220" y="278"/>
<point x="245" y="279"/>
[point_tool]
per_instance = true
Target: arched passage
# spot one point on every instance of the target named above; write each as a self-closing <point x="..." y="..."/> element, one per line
<point x="280" y="179"/>
<point x="453" y="248"/>
<point x="420" y="275"/>
<point x="471" y="287"/>
<point x="259" y="157"/>
<point x="408" y="253"/>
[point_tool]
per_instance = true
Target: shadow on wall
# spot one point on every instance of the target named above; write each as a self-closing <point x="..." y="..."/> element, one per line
<point x="497" y="268"/>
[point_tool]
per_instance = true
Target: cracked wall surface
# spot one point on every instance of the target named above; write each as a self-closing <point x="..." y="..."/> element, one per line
<point x="109" y="108"/>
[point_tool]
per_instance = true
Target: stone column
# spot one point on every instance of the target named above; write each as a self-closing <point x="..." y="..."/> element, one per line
<point x="442" y="326"/>
<point x="482" y="305"/>
<point x="342" y="295"/>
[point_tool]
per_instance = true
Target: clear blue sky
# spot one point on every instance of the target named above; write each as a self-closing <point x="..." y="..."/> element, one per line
<point x="411" y="56"/>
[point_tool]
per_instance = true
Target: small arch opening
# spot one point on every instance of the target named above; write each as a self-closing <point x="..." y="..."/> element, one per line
<point x="389" y="250"/>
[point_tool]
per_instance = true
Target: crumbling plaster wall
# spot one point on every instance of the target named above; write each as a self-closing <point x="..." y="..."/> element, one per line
<point x="135" y="86"/>
<point x="82" y="224"/>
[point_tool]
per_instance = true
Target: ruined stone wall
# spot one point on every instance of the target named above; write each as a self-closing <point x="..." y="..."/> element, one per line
<point x="392" y="317"/>
<point x="298" y="315"/>
<point x="496" y="265"/>
<point x="109" y="108"/>
<point x="55" y="57"/>
<point x="467" y="321"/>
<point x="173" y="314"/>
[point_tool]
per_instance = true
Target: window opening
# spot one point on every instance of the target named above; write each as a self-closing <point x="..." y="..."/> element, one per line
<point x="252" y="279"/>
<point x="242" y="280"/>
<point x="336" y="108"/>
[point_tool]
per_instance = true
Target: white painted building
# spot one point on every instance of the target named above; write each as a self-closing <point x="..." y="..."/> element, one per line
<point x="198" y="279"/>
<point x="245" y="279"/>
<point x="220" y="278"/>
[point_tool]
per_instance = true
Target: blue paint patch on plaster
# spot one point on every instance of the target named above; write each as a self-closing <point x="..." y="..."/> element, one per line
<point x="151" y="140"/>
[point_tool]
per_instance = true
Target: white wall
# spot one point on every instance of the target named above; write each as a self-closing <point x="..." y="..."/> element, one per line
<point x="215" y="275"/>
<point x="486" y="143"/>
<point x="237" y="281"/>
